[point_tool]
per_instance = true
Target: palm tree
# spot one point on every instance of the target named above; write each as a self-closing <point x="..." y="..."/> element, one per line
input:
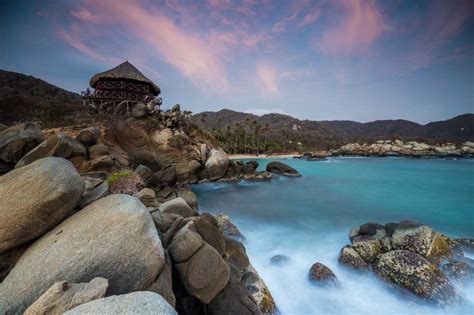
<point x="237" y="131"/>
<point x="247" y="121"/>
<point x="266" y="129"/>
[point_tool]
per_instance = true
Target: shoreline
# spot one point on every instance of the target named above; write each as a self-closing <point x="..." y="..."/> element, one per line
<point x="261" y="156"/>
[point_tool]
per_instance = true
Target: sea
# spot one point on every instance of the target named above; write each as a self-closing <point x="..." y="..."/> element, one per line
<point x="308" y="220"/>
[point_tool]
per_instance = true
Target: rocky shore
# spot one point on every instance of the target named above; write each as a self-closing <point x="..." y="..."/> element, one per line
<point x="383" y="148"/>
<point x="111" y="224"/>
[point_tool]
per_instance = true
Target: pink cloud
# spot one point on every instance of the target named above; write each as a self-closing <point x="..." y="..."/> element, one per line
<point x="85" y="16"/>
<point x="267" y="80"/>
<point x="310" y="18"/>
<point x="74" y="39"/>
<point x="362" y="25"/>
<point x="160" y="37"/>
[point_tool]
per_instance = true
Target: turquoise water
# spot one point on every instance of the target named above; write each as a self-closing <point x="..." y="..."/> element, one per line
<point x="308" y="220"/>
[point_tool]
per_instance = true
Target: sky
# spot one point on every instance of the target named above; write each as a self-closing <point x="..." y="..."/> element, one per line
<point x="359" y="60"/>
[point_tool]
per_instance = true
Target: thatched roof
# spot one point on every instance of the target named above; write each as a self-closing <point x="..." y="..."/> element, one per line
<point x="125" y="71"/>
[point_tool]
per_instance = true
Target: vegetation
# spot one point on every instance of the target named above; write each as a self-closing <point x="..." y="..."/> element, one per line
<point x="125" y="182"/>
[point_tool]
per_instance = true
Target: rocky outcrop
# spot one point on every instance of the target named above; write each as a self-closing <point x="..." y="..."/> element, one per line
<point x="53" y="189"/>
<point x="400" y="148"/>
<point x="217" y="164"/>
<point x="59" y="145"/>
<point x="63" y="296"/>
<point x="416" y="274"/>
<point x="321" y="274"/>
<point x="141" y="302"/>
<point x="17" y="140"/>
<point x="102" y="240"/>
<point x="282" y="169"/>
<point x="228" y="228"/>
<point x="408" y="255"/>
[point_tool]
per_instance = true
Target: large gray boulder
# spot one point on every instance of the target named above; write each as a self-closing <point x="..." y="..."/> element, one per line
<point x="59" y="145"/>
<point x="217" y="164"/>
<point x="415" y="274"/>
<point x="35" y="198"/>
<point x="63" y="296"/>
<point x="205" y="274"/>
<point x="282" y="169"/>
<point x="142" y="302"/>
<point x="17" y="140"/>
<point x="177" y="206"/>
<point x="113" y="237"/>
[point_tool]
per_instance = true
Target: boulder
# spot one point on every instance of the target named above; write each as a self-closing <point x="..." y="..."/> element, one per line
<point x="102" y="240"/>
<point x="59" y="145"/>
<point x="279" y="260"/>
<point x="17" y="140"/>
<point x="367" y="247"/>
<point x="282" y="169"/>
<point x="177" y="206"/>
<point x="422" y="240"/>
<point x="205" y="274"/>
<point x="372" y="229"/>
<point x="349" y="257"/>
<point x="189" y="196"/>
<point x="459" y="270"/>
<point x="259" y="290"/>
<point x="210" y="233"/>
<point x="321" y="274"/>
<point x="217" y="164"/>
<point x="165" y="177"/>
<point x="9" y="259"/>
<point x="98" y="150"/>
<point x="144" y="172"/>
<point x="147" y="197"/>
<point x="36" y="198"/>
<point x="163" y="285"/>
<point x="98" y="192"/>
<point x="353" y="232"/>
<point x="193" y="170"/>
<point x="228" y="228"/>
<point x="236" y="255"/>
<point x="63" y="296"/>
<point x="186" y="242"/>
<point x="88" y="136"/>
<point x="233" y="299"/>
<point x="141" y="302"/>
<point x="415" y="274"/>
<point x="251" y="167"/>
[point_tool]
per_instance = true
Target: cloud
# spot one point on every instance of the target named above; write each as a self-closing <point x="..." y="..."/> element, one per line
<point x="73" y="38"/>
<point x="85" y="16"/>
<point x="265" y="111"/>
<point x="159" y="36"/>
<point x="267" y="80"/>
<point x="310" y="18"/>
<point x="362" y="25"/>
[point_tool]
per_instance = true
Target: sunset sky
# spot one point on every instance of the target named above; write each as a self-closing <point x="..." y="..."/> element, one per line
<point x="321" y="60"/>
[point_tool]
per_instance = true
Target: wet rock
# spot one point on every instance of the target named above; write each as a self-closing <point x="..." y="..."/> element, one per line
<point x="372" y="229"/>
<point x="141" y="302"/>
<point x="459" y="270"/>
<point x="390" y="228"/>
<point x="415" y="274"/>
<point x="367" y="247"/>
<point x="177" y="206"/>
<point x="88" y="136"/>
<point x="58" y="145"/>
<point x="35" y="198"/>
<point x="353" y="232"/>
<point x="279" y="260"/>
<point x="233" y="299"/>
<point x="228" y="228"/>
<point x="251" y="167"/>
<point x="259" y="290"/>
<point x="349" y="257"/>
<point x="236" y="255"/>
<point x="466" y="244"/>
<point x="205" y="274"/>
<point x="102" y="240"/>
<point x="282" y="169"/>
<point x="321" y="274"/>
<point x="217" y="164"/>
<point x="17" y="140"/>
<point x="63" y="296"/>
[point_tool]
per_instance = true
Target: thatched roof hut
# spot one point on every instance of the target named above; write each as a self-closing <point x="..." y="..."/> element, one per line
<point x="123" y="73"/>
